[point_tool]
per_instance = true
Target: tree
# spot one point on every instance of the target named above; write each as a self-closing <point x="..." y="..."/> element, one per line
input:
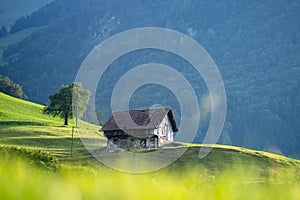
<point x="3" y="31"/>
<point x="7" y="86"/>
<point x="60" y="103"/>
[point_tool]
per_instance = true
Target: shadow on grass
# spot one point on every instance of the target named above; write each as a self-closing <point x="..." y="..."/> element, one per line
<point x="23" y="123"/>
<point x="51" y="142"/>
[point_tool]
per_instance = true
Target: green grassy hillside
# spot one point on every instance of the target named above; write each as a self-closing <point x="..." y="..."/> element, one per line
<point x="23" y="124"/>
<point x="226" y="173"/>
<point x="17" y="111"/>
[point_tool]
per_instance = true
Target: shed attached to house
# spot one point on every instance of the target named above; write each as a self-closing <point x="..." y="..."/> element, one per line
<point x="140" y="128"/>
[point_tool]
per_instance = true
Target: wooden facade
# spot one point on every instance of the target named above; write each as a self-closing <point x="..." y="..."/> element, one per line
<point x="151" y="128"/>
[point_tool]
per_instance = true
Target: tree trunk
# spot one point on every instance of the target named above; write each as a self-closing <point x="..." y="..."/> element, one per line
<point x="66" y="119"/>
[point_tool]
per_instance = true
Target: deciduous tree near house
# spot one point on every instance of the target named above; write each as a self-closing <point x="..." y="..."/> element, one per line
<point x="60" y="103"/>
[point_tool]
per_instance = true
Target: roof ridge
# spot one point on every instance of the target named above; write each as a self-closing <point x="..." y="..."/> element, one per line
<point x="162" y="118"/>
<point x="146" y="118"/>
<point x="168" y="108"/>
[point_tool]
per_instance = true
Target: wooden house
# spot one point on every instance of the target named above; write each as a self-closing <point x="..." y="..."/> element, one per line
<point x="140" y="128"/>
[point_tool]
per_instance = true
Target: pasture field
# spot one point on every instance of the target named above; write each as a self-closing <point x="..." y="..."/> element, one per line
<point x="23" y="124"/>
<point x="36" y="163"/>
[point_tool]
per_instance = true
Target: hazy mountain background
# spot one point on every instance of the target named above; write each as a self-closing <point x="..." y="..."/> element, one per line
<point x="254" y="43"/>
<point x="11" y="10"/>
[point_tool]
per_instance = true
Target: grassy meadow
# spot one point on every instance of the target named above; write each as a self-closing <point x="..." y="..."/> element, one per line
<point x="36" y="163"/>
<point x="23" y="124"/>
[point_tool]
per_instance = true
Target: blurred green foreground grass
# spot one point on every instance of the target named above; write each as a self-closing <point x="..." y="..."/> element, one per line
<point x="38" y="175"/>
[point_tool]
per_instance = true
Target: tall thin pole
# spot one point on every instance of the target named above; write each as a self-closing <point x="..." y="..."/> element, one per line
<point x="72" y="141"/>
<point x="76" y="108"/>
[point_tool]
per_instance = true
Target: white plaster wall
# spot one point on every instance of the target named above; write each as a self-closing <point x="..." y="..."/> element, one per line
<point x="164" y="131"/>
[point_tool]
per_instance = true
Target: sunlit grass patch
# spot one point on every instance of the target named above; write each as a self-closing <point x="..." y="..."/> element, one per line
<point x="23" y="124"/>
<point x="19" y="112"/>
<point x="27" y="181"/>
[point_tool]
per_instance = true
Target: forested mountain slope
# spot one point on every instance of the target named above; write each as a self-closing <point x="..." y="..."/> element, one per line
<point x="255" y="45"/>
<point x="11" y="10"/>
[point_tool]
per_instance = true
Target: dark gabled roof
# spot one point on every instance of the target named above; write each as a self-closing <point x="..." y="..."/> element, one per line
<point x="140" y="119"/>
